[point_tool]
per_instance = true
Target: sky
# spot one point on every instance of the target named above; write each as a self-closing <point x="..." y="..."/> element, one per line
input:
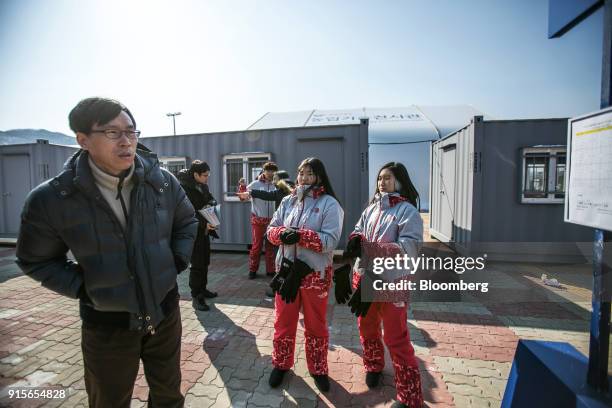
<point x="224" y="64"/>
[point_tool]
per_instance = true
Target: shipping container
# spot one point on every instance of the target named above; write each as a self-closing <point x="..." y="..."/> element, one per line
<point x="232" y="155"/>
<point x="24" y="166"/>
<point x="497" y="186"/>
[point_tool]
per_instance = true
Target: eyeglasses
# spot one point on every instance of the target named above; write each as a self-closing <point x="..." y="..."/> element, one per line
<point x="115" y="134"/>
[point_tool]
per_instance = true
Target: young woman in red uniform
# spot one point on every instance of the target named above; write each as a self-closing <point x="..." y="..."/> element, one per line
<point x="393" y="225"/>
<point x="307" y="227"/>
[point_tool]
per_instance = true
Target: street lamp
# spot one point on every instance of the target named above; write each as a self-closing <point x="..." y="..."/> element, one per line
<point x="173" y="120"/>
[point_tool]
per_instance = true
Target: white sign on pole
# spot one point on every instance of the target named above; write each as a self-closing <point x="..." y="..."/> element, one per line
<point x="588" y="192"/>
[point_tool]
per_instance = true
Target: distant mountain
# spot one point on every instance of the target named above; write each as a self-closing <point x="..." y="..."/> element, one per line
<point x="21" y="136"/>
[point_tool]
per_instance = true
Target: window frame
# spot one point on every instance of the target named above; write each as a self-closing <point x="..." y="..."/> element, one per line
<point x="245" y="157"/>
<point x="552" y="155"/>
<point x="165" y="161"/>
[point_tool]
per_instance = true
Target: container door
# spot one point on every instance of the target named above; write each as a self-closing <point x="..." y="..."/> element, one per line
<point x="16" y="182"/>
<point x="447" y="191"/>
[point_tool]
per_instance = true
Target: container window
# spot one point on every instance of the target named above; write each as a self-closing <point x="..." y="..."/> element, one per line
<point x="255" y="167"/>
<point x="543" y="180"/>
<point x="234" y="174"/>
<point x="560" y="180"/>
<point x="536" y="175"/>
<point x="241" y="165"/>
<point x="173" y="164"/>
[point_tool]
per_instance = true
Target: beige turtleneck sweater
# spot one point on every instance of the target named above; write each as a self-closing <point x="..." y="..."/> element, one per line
<point x="107" y="185"/>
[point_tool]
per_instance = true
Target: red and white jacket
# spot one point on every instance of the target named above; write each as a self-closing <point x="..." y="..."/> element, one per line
<point x="261" y="208"/>
<point x="395" y="226"/>
<point x="318" y="217"/>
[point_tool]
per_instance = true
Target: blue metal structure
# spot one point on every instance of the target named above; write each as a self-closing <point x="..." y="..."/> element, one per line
<point x="549" y="374"/>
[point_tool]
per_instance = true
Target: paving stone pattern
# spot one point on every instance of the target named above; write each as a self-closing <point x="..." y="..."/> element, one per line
<point x="465" y="348"/>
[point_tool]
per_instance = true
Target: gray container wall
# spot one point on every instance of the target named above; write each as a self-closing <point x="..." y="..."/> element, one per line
<point x="287" y="147"/>
<point x="488" y="186"/>
<point x="502" y="142"/>
<point x="45" y="161"/>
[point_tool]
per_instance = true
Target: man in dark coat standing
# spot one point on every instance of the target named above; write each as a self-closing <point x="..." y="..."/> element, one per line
<point x="131" y="229"/>
<point x="195" y="183"/>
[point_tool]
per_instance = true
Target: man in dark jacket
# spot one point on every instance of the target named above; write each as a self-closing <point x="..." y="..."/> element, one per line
<point x="195" y="183"/>
<point x="130" y="228"/>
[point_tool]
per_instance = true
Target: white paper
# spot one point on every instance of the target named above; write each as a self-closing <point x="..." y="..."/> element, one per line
<point x="211" y="214"/>
<point x="589" y="190"/>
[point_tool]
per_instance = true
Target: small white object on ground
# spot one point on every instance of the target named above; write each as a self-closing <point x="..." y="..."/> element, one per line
<point x="552" y="282"/>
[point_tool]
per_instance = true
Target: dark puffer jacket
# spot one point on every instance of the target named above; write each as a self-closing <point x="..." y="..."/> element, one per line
<point x="127" y="272"/>
<point x="199" y="198"/>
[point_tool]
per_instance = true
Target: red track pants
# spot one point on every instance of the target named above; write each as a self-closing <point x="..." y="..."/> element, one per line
<point x="258" y="231"/>
<point x="397" y="339"/>
<point x="314" y="302"/>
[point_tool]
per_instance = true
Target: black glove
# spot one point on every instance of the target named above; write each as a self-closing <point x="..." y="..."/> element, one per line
<point x="342" y="279"/>
<point x="358" y="306"/>
<point x="290" y="287"/>
<point x="289" y="236"/>
<point x="280" y="276"/>
<point x="353" y="247"/>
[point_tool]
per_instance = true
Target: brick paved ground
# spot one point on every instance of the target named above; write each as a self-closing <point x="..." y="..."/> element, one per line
<point x="465" y="348"/>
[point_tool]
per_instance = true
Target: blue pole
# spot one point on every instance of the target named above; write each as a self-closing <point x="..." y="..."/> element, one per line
<point x="599" y="344"/>
<point x="597" y="375"/>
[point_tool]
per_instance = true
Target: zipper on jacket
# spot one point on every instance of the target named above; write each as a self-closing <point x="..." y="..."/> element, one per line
<point x="374" y="235"/>
<point x="139" y="286"/>
<point x="148" y="268"/>
<point x="139" y="291"/>
<point x="296" y="227"/>
<point x="120" y="198"/>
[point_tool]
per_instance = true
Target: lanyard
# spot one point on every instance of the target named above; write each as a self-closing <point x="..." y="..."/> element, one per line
<point x="298" y="222"/>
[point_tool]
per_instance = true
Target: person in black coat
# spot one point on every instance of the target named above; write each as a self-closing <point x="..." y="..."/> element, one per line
<point x="195" y="183"/>
<point x="130" y="231"/>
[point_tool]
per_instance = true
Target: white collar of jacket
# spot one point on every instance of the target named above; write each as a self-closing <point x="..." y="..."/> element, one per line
<point x="106" y="180"/>
<point x="314" y="192"/>
<point x="388" y="200"/>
